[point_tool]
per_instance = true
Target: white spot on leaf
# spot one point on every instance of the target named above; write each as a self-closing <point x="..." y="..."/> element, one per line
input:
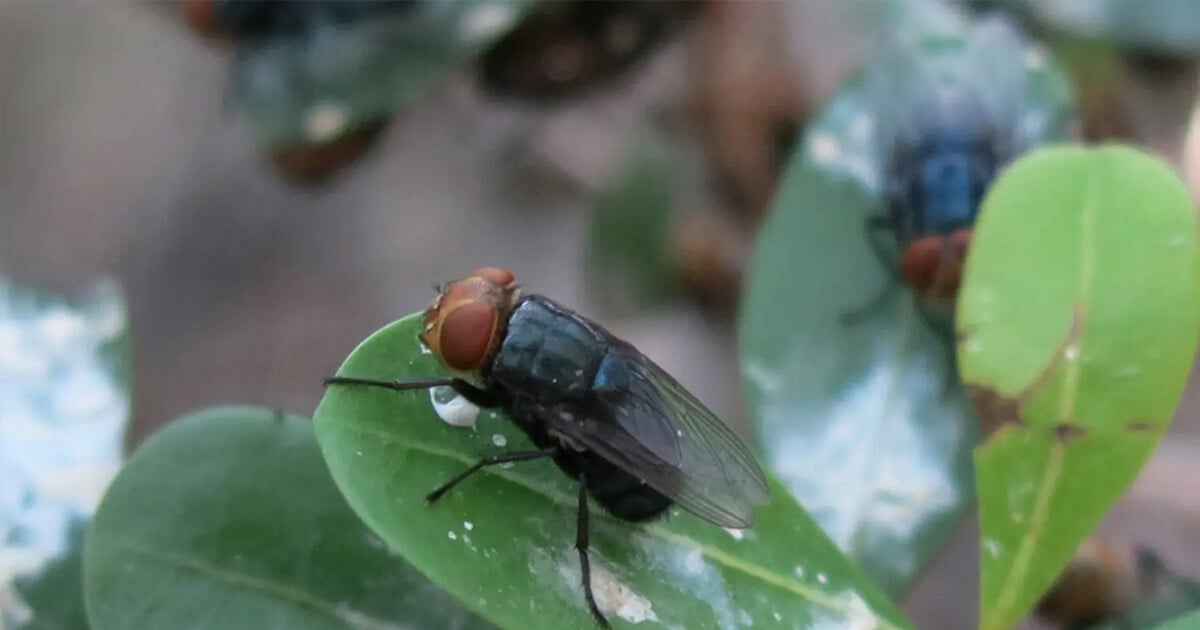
<point x="325" y="121"/>
<point x="694" y="562"/>
<point x="453" y="409"/>
<point x="613" y="596"/>
<point x="499" y="440"/>
<point x="736" y="534"/>
<point x="487" y="21"/>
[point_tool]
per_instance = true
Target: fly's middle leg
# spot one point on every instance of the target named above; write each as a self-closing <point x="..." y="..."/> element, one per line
<point x="492" y="460"/>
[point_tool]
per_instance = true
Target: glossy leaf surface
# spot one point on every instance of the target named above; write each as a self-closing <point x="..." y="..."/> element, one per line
<point x="227" y="518"/>
<point x="64" y="401"/>
<point x="503" y="541"/>
<point x="1078" y="325"/>
<point x="1169" y="27"/>
<point x="864" y="420"/>
<point x="1190" y="621"/>
<point x="331" y="77"/>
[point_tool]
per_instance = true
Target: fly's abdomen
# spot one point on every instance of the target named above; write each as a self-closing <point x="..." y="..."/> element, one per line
<point x="547" y="353"/>
<point x="621" y="494"/>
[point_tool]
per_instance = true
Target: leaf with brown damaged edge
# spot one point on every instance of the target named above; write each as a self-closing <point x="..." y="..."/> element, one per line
<point x="1093" y="324"/>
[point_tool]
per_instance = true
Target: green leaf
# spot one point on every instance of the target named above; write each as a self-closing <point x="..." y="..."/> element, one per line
<point x="503" y="541"/>
<point x="1078" y="324"/>
<point x="629" y="261"/>
<point x="53" y="596"/>
<point x="64" y="404"/>
<point x="1189" y="621"/>
<point x="863" y="420"/>
<point x="227" y="518"/>
<point x="335" y="77"/>
<point x="1167" y="27"/>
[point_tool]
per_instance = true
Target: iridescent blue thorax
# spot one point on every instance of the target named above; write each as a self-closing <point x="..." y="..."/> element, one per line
<point x="548" y="350"/>
<point x="939" y="175"/>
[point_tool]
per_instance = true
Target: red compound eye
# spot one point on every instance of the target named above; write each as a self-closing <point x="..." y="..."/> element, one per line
<point x="920" y="262"/>
<point x="466" y="334"/>
<point x="502" y="277"/>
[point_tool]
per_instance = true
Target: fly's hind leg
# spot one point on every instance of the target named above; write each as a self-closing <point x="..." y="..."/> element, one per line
<point x="582" y="535"/>
<point x="877" y="228"/>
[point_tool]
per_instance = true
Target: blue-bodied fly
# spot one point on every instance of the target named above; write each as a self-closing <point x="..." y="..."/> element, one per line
<point x="633" y="437"/>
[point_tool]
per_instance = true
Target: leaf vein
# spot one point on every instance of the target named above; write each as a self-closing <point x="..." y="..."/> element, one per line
<point x="770" y="577"/>
<point x="349" y="618"/>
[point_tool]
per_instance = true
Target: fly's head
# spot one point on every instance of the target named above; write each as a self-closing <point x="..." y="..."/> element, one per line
<point x="932" y="265"/>
<point x="466" y="323"/>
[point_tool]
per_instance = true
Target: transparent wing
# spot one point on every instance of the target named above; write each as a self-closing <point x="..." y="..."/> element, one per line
<point x="644" y="421"/>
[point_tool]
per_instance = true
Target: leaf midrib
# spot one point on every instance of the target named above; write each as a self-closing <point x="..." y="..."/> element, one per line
<point x="654" y="531"/>
<point x="276" y="590"/>
<point x="1023" y="559"/>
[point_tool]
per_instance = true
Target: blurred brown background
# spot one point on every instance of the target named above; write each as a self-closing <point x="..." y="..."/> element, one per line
<point x="119" y="156"/>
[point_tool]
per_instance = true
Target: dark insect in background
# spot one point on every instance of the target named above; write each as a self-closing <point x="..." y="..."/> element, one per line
<point x="632" y="436"/>
<point x="566" y="48"/>
<point x="937" y="172"/>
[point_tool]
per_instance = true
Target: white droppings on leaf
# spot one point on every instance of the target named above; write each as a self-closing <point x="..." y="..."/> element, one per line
<point x="453" y="409"/>
<point x="825" y="148"/>
<point x="451" y="535"/>
<point x="694" y="562"/>
<point x="613" y="596"/>
<point x="357" y="619"/>
<point x="777" y="616"/>
<point x="822" y="579"/>
<point x="736" y="534"/>
<point x="424" y="348"/>
<point x="468" y="525"/>
<point x="991" y="547"/>
<point x="499" y="440"/>
<point x="799" y="571"/>
<point x="1071" y="352"/>
<point x="325" y="121"/>
<point x="1035" y="58"/>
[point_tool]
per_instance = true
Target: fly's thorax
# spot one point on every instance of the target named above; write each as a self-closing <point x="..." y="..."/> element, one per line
<point x="548" y="352"/>
<point x="466" y="324"/>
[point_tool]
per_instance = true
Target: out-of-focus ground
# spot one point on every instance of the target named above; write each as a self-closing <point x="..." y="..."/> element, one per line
<point x="119" y="157"/>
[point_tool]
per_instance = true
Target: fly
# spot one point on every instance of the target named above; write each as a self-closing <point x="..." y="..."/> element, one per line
<point x="938" y="171"/>
<point x="633" y="437"/>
